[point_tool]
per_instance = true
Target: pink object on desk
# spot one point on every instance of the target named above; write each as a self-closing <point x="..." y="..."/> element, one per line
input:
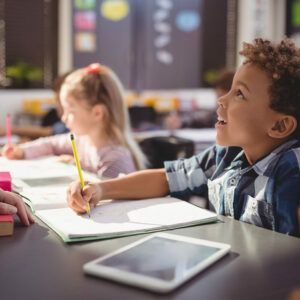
<point x="6" y="225"/>
<point x="8" y="129"/>
<point x="6" y="221"/>
<point x="5" y="181"/>
<point x="6" y="218"/>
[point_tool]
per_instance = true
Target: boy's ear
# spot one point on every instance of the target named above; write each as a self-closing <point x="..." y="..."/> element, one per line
<point x="283" y="127"/>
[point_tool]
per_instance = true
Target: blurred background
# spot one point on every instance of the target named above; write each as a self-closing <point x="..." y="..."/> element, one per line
<point x="168" y="53"/>
<point x="151" y="44"/>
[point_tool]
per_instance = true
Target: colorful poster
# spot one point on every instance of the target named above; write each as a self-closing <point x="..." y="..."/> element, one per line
<point x="188" y="20"/>
<point x="85" y="20"/>
<point x="85" y="4"/>
<point x="85" y="42"/>
<point x="114" y="10"/>
<point x="170" y="44"/>
<point x="296" y="13"/>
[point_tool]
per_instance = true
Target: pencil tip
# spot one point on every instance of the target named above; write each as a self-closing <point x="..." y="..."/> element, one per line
<point x="72" y="136"/>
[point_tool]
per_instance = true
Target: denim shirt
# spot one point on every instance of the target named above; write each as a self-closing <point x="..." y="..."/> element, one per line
<point x="266" y="194"/>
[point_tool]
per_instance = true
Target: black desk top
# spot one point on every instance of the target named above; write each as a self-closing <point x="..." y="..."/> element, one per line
<point x="36" y="264"/>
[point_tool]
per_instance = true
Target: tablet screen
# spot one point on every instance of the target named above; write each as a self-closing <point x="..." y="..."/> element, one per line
<point x="160" y="258"/>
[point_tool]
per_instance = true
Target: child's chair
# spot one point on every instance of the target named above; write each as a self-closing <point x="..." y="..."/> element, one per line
<point x="160" y="149"/>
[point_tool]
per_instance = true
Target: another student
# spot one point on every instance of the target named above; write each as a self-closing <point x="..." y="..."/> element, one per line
<point x="202" y="118"/>
<point x="93" y="109"/>
<point x="51" y="123"/>
<point x="253" y="173"/>
<point x="10" y="203"/>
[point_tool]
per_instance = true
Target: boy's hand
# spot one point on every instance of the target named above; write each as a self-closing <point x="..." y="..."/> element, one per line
<point x="11" y="203"/>
<point x="78" y="198"/>
<point x="13" y="152"/>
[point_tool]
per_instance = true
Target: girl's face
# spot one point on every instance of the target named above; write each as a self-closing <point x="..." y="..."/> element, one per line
<point x="77" y="115"/>
<point x="244" y="115"/>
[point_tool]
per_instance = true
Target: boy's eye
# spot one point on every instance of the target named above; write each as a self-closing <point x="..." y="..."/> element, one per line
<point x="240" y="94"/>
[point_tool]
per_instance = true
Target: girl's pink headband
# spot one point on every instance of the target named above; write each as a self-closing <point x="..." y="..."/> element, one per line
<point x="93" y="68"/>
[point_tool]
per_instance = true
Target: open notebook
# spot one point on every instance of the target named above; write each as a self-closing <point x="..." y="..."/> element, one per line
<point x="112" y="218"/>
<point x="47" y="198"/>
<point x="124" y="217"/>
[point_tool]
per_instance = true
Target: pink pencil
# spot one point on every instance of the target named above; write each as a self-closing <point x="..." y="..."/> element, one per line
<point x="8" y="129"/>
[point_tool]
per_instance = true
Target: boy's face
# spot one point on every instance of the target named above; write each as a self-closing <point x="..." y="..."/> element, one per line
<point x="244" y="115"/>
<point x="220" y="92"/>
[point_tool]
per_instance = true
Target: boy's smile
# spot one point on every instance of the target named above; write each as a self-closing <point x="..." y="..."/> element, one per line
<point x="221" y="122"/>
<point x="245" y="118"/>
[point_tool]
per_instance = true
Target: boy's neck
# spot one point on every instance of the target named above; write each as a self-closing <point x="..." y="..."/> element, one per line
<point x="257" y="152"/>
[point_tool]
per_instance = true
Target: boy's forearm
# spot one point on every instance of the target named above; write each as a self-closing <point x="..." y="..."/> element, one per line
<point x="138" y="185"/>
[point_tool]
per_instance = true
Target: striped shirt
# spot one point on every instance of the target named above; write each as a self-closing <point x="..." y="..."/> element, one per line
<point x="266" y="194"/>
<point x="106" y="162"/>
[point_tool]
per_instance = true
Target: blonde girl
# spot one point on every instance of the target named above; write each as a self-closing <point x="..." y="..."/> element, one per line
<point x="93" y="109"/>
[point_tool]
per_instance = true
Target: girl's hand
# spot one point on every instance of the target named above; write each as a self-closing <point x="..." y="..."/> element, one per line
<point x="13" y="152"/>
<point x="11" y="203"/>
<point x="2" y="131"/>
<point x="78" y="198"/>
<point x="67" y="159"/>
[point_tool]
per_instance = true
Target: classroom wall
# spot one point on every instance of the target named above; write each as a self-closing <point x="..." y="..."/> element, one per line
<point x="204" y="98"/>
<point x="65" y="58"/>
<point x="11" y="100"/>
<point x="265" y="18"/>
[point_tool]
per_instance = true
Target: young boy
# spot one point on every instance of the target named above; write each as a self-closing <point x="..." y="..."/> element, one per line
<point x="253" y="173"/>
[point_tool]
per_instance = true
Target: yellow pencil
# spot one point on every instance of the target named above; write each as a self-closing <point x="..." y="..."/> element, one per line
<point x="88" y="209"/>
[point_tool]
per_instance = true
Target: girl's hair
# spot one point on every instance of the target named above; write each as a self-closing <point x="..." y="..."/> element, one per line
<point x="282" y="63"/>
<point x="98" y="84"/>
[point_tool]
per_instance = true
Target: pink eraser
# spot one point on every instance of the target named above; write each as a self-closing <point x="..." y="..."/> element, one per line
<point x="6" y="225"/>
<point x="6" y="218"/>
<point x="5" y="181"/>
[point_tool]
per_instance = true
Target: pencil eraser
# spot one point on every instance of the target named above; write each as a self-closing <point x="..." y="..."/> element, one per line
<point x="5" y="181"/>
<point x="6" y="225"/>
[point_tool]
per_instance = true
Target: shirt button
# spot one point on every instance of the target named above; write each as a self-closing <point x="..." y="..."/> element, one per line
<point x="232" y="181"/>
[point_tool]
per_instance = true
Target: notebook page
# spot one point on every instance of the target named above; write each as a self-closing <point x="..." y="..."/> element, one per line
<point x="46" y="198"/>
<point x="115" y="218"/>
<point x="37" y="168"/>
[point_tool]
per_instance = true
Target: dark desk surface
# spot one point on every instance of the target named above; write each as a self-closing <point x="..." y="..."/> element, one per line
<point x="36" y="264"/>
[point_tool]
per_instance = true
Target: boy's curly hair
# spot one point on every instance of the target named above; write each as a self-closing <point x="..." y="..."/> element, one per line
<point x="282" y="63"/>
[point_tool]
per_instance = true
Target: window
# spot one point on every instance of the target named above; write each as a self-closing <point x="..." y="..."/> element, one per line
<point x="28" y="47"/>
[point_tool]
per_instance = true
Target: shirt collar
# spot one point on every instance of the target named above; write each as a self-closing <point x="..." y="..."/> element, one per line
<point x="261" y="166"/>
<point x="238" y="161"/>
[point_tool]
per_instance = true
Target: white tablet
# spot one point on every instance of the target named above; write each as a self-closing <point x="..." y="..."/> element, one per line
<point x="160" y="262"/>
